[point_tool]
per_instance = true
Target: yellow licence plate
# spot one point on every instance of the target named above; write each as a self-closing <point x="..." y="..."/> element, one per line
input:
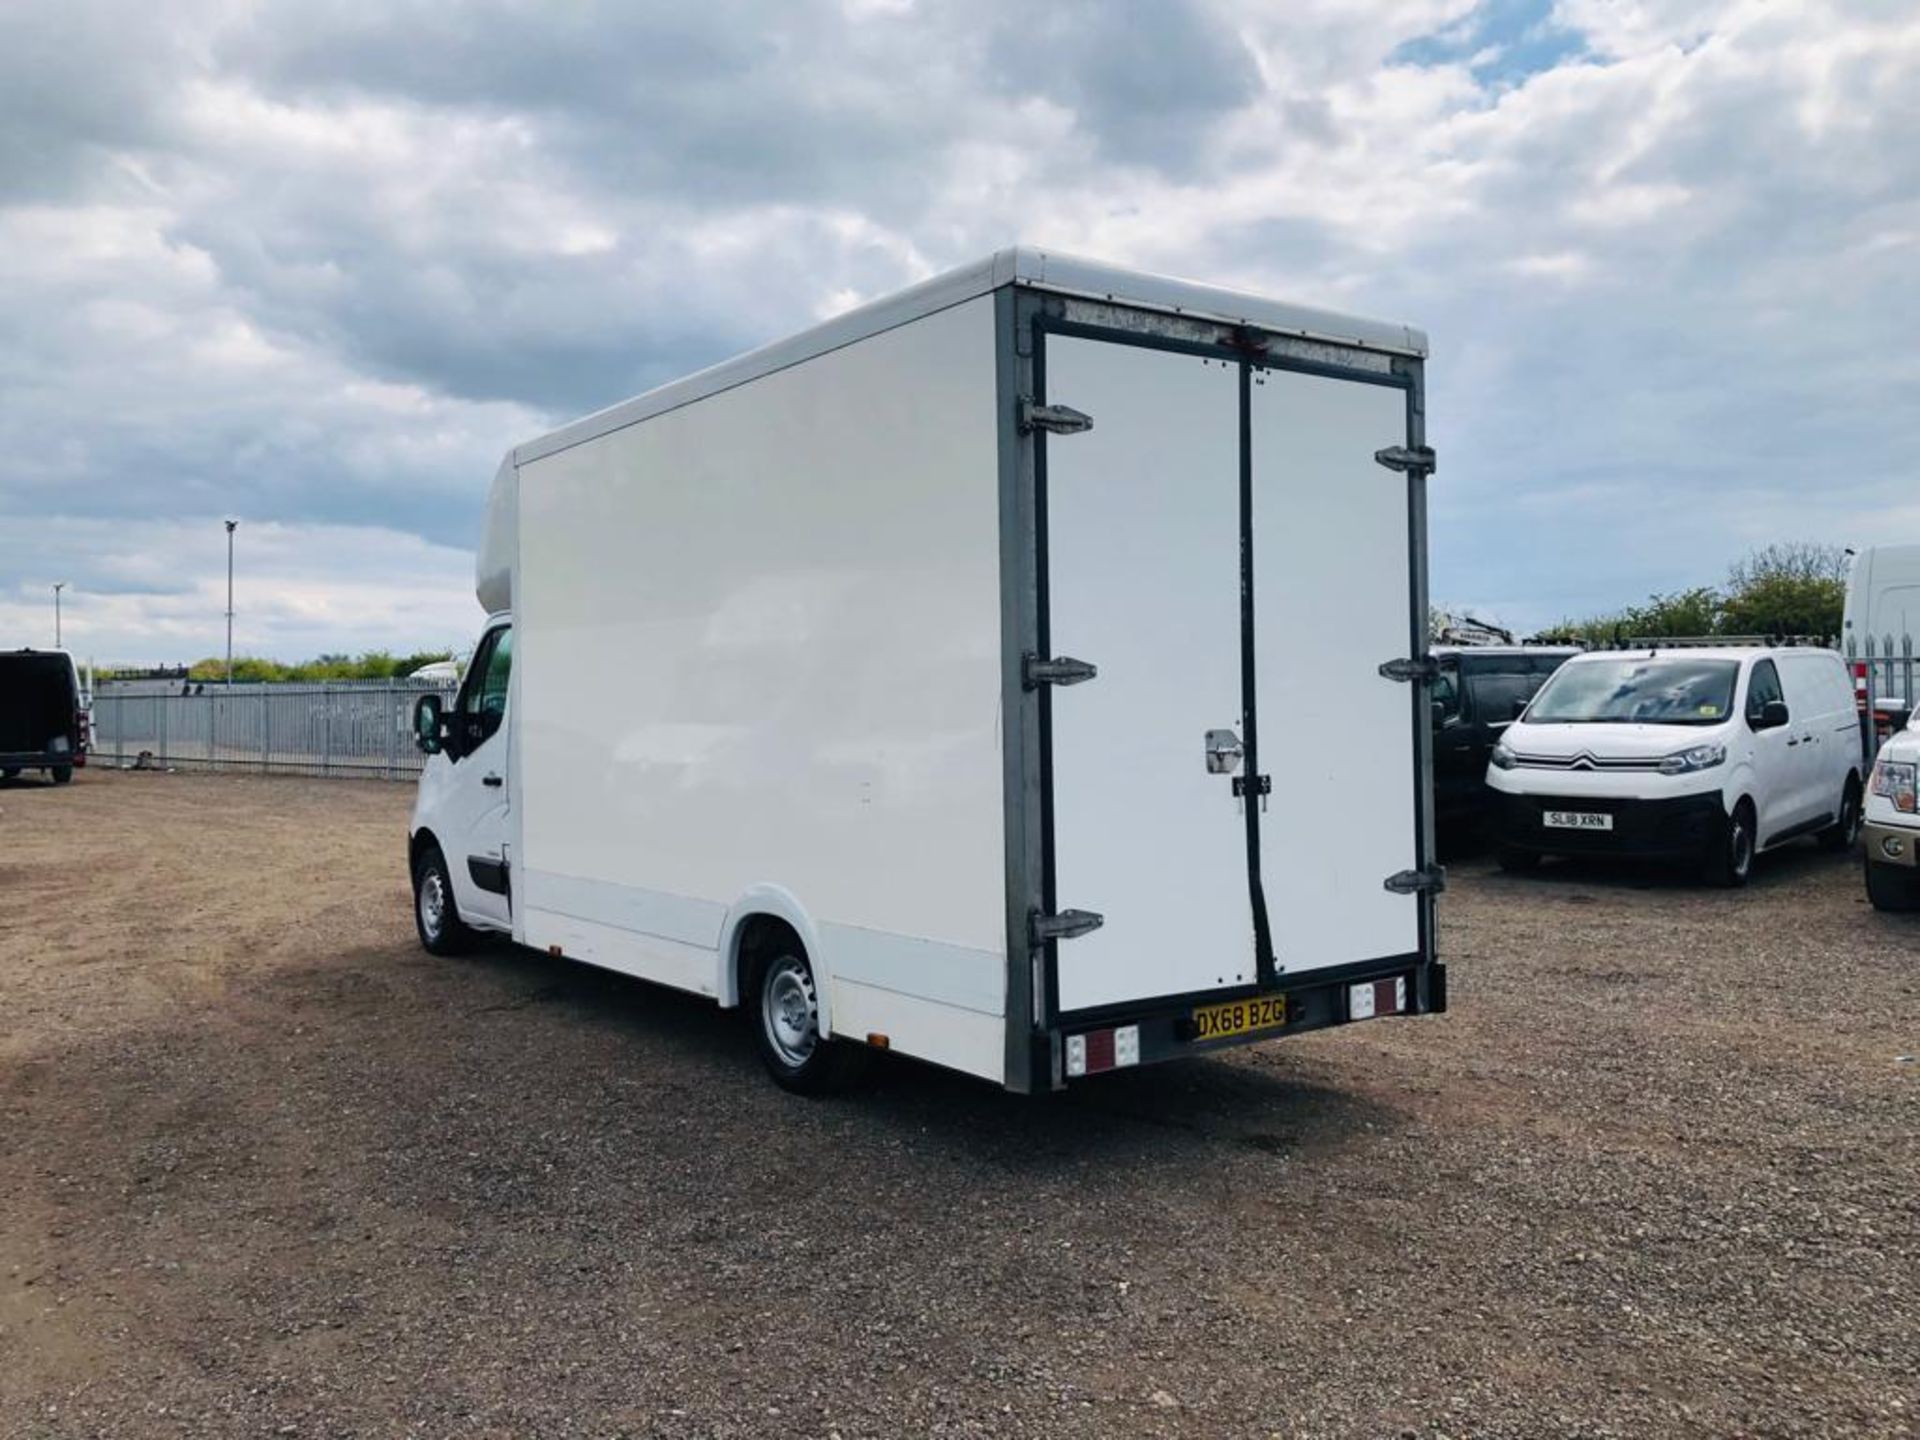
<point x="1239" y="1017"/>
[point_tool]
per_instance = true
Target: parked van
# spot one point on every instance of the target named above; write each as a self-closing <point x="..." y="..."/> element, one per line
<point x="1479" y="691"/>
<point x="44" y="724"/>
<point x="932" y="682"/>
<point x="1893" y="823"/>
<point x="1704" y="754"/>
<point x="1880" y="631"/>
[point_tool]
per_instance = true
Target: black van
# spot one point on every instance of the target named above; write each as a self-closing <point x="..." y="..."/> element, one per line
<point x="43" y="715"/>
<point x="1480" y="689"/>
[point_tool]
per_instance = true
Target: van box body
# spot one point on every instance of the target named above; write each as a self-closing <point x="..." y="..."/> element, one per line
<point x="798" y="637"/>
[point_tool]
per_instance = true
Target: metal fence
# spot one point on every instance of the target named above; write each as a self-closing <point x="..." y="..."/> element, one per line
<point x="1882" y="666"/>
<point x="343" y="728"/>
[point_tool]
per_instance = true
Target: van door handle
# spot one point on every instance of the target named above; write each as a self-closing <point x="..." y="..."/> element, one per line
<point x="494" y="780"/>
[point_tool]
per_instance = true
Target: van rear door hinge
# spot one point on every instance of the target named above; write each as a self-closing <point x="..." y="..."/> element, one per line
<point x="1035" y="672"/>
<point x="1430" y="881"/>
<point x="1425" y="668"/>
<point x="1064" y="926"/>
<point x="1054" y="419"/>
<point x="1417" y="460"/>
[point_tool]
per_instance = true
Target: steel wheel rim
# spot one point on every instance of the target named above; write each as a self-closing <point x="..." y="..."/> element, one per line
<point x="787" y="1012"/>
<point x="433" y="903"/>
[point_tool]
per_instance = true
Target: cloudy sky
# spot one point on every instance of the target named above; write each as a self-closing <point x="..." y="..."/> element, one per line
<point x="317" y="266"/>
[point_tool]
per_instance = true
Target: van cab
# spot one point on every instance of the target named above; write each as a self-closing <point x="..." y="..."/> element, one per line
<point x="1707" y="755"/>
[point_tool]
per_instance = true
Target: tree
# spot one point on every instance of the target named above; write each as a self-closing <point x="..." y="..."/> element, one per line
<point x="1685" y="613"/>
<point x="1795" y="588"/>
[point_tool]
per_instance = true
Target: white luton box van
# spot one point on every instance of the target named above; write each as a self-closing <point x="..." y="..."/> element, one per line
<point x="957" y="678"/>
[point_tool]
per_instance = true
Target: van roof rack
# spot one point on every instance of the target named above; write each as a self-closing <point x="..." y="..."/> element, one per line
<point x="1719" y="642"/>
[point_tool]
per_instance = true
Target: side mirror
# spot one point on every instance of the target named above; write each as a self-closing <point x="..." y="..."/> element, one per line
<point x="428" y="730"/>
<point x="1520" y="708"/>
<point x="1773" y="715"/>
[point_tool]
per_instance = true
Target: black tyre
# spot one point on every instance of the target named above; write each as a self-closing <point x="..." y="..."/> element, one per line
<point x="435" y="915"/>
<point x="1514" y="860"/>
<point x="1844" y="833"/>
<point x="1729" y="862"/>
<point x="62" y="774"/>
<point x="12" y="772"/>
<point x="786" y="1028"/>
<point x="1893" y="887"/>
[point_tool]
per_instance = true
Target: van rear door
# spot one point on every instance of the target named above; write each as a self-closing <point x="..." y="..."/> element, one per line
<point x="1234" y="788"/>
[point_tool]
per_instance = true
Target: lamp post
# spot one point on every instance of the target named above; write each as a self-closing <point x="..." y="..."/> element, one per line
<point x="58" y="586"/>
<point x="232" y="525"/>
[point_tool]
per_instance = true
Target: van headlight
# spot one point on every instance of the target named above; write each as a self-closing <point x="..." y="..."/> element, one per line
<point x="1698" y="757"/>
<point x="1502" y="757"/>
<point x="1894" y="779"/>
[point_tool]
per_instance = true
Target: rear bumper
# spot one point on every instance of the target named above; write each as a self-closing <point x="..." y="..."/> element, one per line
<point x="42" y="759"/>
<point x="1334" y="997"/>
<point x="1684" y="826"/>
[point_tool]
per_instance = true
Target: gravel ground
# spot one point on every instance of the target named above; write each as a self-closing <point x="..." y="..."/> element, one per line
<point x="266" y="1168"/>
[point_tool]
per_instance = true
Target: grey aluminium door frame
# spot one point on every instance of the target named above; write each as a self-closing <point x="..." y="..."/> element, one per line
<point x="1024" y="318"/>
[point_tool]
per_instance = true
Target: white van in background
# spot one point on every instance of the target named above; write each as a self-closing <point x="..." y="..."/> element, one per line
<point x="1882" y="618"/>
<point x="1690" y="753"/>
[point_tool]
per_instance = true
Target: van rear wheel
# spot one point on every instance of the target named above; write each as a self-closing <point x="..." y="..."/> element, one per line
<point x="1844" y="833"/>
<point x="786" y="1029"/>
<point x="435" y="916"/>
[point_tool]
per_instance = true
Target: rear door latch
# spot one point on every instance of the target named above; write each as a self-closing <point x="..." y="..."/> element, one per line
<point x="1430" y="881"/>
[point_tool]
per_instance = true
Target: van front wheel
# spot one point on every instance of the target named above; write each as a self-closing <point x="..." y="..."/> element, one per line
<point x="1730" y="861"/>
<point x="435" y="916"/>
<point x="787" y="1029"/>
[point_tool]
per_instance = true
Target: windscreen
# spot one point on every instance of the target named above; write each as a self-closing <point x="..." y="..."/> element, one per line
<point x="1640" y="690"/>
<point x="1498" y="698"/>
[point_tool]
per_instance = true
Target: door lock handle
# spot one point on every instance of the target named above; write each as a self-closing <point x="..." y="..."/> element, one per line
<point x="491" y="780"/>
<point x="1224" y="752"/>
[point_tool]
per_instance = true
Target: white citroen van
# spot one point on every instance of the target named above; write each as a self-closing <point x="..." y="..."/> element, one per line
<point x="1688" y="753"/>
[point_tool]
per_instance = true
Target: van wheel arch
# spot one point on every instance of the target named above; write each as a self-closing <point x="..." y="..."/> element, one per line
<point x="1844" y="833"/>
<point x="759" y="906"/>
<point x="421" y="841"/>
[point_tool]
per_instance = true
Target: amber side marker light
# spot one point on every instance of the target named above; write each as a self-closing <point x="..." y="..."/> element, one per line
<point x="877" y="1040"/>
<point x="554" y="950"/>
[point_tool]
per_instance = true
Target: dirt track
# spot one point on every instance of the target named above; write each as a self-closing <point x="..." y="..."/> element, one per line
<point x="267" y="1168"/>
